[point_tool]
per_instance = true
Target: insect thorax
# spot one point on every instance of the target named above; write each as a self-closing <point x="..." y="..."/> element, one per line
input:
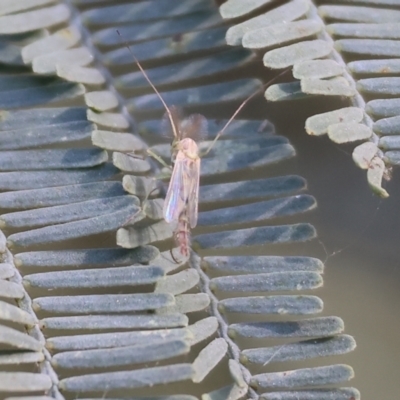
<point x="189" y="148"/>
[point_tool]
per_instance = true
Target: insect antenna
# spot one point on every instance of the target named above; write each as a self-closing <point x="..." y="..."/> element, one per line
<point x="171" y="116"/>
<point x="168" y="111"/>
<point x="241" y="106"/>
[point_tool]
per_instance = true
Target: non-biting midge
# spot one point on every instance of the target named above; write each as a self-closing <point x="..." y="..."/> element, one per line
<point x="181" y="202"/>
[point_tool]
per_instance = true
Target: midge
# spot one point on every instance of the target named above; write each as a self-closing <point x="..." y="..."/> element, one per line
<point x="181" y="202"/>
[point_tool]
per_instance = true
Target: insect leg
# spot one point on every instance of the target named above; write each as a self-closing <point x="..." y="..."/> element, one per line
<point x="132" y="218"/>
<point x="158" y="158"/>
<point x="173" y="257"/>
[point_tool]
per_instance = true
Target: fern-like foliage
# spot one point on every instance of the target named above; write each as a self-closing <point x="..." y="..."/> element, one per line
<point x="347" y="50"/>
<point x="126" y="320"/>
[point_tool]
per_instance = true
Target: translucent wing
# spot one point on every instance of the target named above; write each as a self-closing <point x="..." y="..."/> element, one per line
<point x="193" y="199"/>
<point x="195" y="127"/>
<point x="177" y="194"/>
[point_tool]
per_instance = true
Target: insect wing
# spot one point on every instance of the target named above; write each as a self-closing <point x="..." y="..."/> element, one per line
<point x="177" y="194"/>
<point x="193" y="200"/>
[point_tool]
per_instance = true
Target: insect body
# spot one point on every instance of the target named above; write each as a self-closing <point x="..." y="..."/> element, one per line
<point x="181" y="202"/>
<point x="183" y="190"/>
<point x="182" y="235"/>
